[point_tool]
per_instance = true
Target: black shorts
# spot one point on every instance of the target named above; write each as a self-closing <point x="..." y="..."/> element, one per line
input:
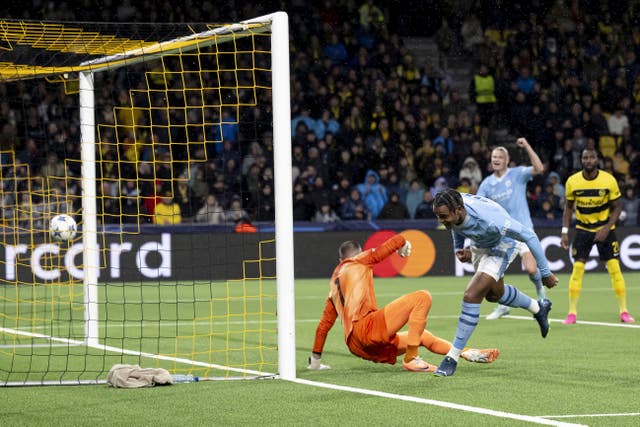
<point x="583" y="242"/>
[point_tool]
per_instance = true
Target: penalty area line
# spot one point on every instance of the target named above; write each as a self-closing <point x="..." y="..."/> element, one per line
<point x="442" y="404"/>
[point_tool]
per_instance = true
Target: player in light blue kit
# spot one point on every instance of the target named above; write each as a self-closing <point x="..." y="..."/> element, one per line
<point x="493" y="235"/>
<point x="508" y="187"/>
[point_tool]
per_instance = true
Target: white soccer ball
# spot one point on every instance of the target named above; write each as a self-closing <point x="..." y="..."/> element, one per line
<point x="62" y="227"/>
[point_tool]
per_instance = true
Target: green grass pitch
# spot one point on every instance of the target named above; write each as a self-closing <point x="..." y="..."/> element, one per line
<point x="585" y="374"/>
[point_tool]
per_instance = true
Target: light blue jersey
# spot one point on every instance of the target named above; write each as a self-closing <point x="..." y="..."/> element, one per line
<point x="510" y="192"/>
<point x="487" y="224"/>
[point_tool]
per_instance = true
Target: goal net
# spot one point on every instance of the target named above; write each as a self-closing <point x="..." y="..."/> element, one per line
<point x="150" y="136"/>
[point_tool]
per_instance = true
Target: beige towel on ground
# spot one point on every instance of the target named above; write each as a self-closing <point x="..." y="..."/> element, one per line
<point x="133" y="376"/>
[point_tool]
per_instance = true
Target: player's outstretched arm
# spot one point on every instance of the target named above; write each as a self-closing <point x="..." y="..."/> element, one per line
<point x="538" y="167"/>
<point x="328" y="319"/>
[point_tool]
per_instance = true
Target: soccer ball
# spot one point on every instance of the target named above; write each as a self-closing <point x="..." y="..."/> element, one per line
<point x="62" y="227"/>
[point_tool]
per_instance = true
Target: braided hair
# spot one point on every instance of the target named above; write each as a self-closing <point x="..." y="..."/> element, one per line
<point x="449" y="198"/>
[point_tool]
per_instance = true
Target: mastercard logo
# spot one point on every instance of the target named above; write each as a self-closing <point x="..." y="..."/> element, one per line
<point x="423" y="254"/>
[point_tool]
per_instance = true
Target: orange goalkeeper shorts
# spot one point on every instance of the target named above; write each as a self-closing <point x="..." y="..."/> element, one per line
<point x="370" y="340"/>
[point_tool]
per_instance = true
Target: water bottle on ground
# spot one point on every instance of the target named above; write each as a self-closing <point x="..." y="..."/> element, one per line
<point x="180" y="378"/>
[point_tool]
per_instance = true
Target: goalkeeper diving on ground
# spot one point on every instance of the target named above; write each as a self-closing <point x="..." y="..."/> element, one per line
<point x="372" y="333"/>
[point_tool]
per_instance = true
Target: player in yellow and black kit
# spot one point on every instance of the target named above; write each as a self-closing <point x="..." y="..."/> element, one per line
<point x="595" y="196"/>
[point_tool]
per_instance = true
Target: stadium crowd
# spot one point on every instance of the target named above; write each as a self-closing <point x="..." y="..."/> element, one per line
<point x="376" y="131"/>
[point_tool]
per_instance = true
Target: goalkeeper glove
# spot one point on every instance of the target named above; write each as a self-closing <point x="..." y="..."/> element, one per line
<point x="405" y="250"/>
<point x="315" y="363"/>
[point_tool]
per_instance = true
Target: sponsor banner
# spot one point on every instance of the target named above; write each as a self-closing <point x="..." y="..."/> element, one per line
<point x="228" y="256"/>
<point x="143" y="257"/>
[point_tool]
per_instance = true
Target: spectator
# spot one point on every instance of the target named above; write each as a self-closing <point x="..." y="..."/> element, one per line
<point x="546" y="211"/>
<point x="185" y="198"/>
<point x="133" y="210"/>
<point x="526" y="81"/>
<point x="621" y="165"/>
<point x="326" y="123"/>
<point x="235" y="212"/>
<point x="464" y="186"/>
<point x="335" y="50"/>
<point x="326" y="214"/>
<point x="472" y="34"/>
<point x="446" y="40"/>
<point x="252" y="183"/>
<point x="394" y="185"/>
<point x="371" y="17"/>
<point x="444" y="142"/>
<point x="425" y="208"/>
<point x="414" y="196"/>
<point x="226" y="130"/>
<point x="374" y="193"/>
<point x="617" y="122"/>
<point x="255" y="151"/>
<point x="354" y="208"/>
<point x="167" y="212"/>
<point x="482" y="93"/>
<point x="308" y="123"/>
<point x="266" y="204"/>
<point x="439" y="185"/>
<point x="199" y="185"/>
<point x="303" y="209"/>
<point x="557" y="187"/>
<point x="320" y="194"/>
<point x="394" y="209"/>
<point x="471" y="171"/>
<point x="219" y="191"/>
<point x="340" y="193"/>
<point x="630" y="206"/>
<point x="151" y="197"/>
<point x="212" y="212"/>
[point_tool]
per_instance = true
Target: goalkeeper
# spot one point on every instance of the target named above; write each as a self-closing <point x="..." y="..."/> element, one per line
<point x="372" y="333"/>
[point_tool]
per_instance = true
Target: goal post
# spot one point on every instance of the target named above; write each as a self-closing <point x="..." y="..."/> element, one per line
<point x="283" y="199"/>
<point x="215" y="321"/>
<point x="90" y="252"/>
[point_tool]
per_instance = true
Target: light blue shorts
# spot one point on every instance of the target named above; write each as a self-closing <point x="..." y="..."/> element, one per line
<point x="494" y="261"/>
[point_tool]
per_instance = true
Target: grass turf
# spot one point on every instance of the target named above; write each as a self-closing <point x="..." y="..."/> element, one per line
<point x="582" y="372"/>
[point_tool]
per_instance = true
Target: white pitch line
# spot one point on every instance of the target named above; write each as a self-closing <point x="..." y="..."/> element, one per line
<point x="449" y="405"/>
<point x="630" y="414"/>
<point x="119" y="350"/>
<point x="37" y="345"/>
<point x="581" y="322"/>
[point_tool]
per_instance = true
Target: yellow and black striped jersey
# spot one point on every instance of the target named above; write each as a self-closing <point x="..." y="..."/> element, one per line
<point x="592" y="199"/>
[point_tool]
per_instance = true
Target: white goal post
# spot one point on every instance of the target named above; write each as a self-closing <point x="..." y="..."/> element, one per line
<point x="282" y="180"/>
<point x="278" y="35"/>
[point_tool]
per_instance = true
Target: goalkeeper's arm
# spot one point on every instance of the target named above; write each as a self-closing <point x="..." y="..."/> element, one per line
<point x="329" y="316"/>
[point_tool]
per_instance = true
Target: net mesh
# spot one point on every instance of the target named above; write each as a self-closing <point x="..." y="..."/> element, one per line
<point x="175" y="113"/>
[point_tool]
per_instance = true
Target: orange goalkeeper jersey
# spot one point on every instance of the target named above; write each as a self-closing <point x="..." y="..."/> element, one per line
<point x="351" y="292"/>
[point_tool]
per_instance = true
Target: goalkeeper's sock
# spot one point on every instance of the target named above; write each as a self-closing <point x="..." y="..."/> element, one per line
<point x="617" y="282"/>
<point x="512" y="297"/>
<point x="466" y="325"/>
<point x="412" y="352"/>
<point x="435" y="344"/>
<point x="575" y="285"/>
